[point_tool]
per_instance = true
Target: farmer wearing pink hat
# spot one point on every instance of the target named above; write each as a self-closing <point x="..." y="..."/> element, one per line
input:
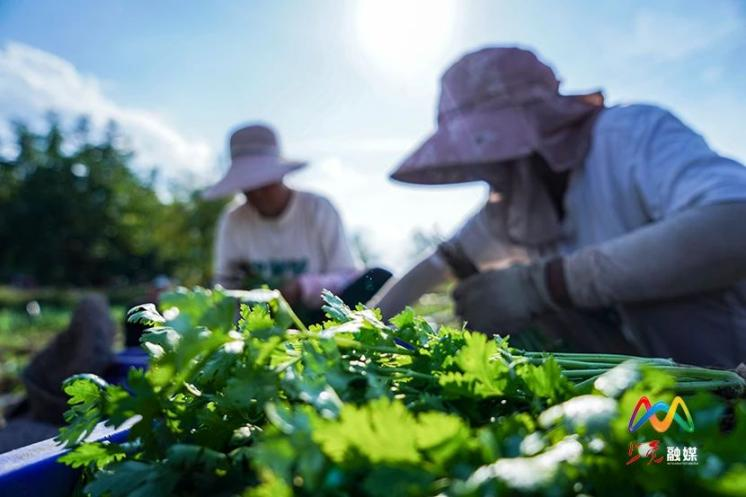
<point x="291" y="240"/>
<point x="615" y="228"/>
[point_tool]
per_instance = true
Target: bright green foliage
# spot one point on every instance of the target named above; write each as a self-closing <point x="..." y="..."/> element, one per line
<point x="482" y="373"/>
<point x="86" y="395"/>
<point x="246" y="401"/>
<point x="384" y="431"/>
<point x="94" y="454"/>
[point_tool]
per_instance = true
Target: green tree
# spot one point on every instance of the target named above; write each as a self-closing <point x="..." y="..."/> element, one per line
<point x="74" y="213"/>
<point x="185" y="237"/>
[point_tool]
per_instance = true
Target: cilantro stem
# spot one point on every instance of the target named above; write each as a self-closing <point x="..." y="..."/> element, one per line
<point x="349" y="343"/>
<point x="294" y="317"/>
<point x="605" y="358"/>
<point x="408" y="372"/>
<point x="189" y="372"/>
<point x="703" y="373"/>
<point x="407" y="389"/>
<point x="587" y="364"/>
<point x="585" y="386"/>
<point x="583" y="373"/>
<point x="698" y="386"/>
<point x="387" y="350"/>
<point x="571" y="364"/>
<point x="703" y="379"/>
<point x="673" y="370"/>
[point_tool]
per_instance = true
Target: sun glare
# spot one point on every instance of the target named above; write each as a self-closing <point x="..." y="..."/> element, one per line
<point x="404" y="35"/>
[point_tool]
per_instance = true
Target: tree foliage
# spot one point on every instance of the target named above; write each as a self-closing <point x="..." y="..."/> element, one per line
<point x="75" y="213"/>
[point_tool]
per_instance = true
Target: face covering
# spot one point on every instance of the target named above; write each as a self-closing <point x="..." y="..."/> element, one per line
<point x="531" y="215"/>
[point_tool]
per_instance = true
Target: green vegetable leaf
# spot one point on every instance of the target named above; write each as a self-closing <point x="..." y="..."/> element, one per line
<point x="133" y="479"/>
<point x="94" y="454"/>
<point x="482" y="375"/>
<point x="381" y="431"/>
<point x="86" y="402"/>
<point x="335" y="308"/>
<point x="545" y="381"/>
<point x="145" y="314"/>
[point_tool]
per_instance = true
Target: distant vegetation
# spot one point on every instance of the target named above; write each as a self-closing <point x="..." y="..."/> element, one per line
<point x="75" y="214"/>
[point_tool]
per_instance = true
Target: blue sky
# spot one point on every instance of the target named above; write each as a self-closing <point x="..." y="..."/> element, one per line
<point x="351" y="85"/>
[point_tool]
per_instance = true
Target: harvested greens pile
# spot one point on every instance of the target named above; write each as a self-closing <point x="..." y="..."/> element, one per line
<point x="262" y="406"/>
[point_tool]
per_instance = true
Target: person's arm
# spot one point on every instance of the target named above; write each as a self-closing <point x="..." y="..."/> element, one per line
<point x="424" y="277"/>
<point x="310" y="285"/>
<point x="483" y="241"/>
<point x="339" y="266"/>
<point x="701" y="249"/>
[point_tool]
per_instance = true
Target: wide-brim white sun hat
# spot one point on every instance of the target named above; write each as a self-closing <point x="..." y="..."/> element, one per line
<point x="255" y="162"/>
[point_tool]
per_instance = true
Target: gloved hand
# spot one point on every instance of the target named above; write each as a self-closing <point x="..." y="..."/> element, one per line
<point x="504" y="299"/>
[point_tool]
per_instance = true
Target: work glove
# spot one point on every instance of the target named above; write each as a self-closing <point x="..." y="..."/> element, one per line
<point x="505" y="299"/>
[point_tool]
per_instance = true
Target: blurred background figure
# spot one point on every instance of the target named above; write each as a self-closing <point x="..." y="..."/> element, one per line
<point x="616" y="229"/>
<point x="87" y="345"/>
<point x="280" y="237"/>
<point x="84" y="347"/>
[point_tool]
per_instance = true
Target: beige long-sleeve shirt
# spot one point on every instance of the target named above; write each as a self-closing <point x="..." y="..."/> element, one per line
<point x="307" y="241"/>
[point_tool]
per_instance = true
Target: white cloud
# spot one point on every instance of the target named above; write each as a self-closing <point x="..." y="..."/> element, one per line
<point x="388" y="213"/>
<point x="674" y="35"/>
<point x="356" y="145"/>
<point x="34" y="82"/>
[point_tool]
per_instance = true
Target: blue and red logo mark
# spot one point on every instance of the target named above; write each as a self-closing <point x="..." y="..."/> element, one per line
<point x="651" y="415"/>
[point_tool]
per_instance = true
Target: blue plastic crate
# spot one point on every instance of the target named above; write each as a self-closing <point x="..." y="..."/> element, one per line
<point x="33" y="470"/>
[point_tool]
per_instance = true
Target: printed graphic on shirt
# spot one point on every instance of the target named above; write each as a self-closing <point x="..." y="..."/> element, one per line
<point x="283" y="269"/>
<point x="273" y="273"/>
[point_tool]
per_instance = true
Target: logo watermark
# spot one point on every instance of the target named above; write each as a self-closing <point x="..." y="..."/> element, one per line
<point x="651" y="411"/>
<point x="675" y="455"/>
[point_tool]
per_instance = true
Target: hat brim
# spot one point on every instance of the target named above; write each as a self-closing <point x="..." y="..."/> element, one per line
<point x="250" y="173"/>
<point x="464" y="143"/>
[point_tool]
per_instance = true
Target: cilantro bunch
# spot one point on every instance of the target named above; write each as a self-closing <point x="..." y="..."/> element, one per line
<point x="242" y="399"/>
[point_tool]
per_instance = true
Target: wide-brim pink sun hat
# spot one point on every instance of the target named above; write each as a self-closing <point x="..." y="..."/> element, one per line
<point x="496" y="105"/>
<point x="464" y="141"/>
<point x="255" y="162"/>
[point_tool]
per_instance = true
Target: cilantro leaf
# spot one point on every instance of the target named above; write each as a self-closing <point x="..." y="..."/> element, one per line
<point x="93" y="454"/>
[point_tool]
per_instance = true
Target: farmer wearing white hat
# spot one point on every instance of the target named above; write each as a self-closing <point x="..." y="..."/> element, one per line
<point x="289" y="239"/>
<point x="617" y="228"/>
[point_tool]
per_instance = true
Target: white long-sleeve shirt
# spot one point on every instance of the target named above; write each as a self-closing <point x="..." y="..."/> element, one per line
<point x="307" y="241"/>
<point x="646" y="168"/>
